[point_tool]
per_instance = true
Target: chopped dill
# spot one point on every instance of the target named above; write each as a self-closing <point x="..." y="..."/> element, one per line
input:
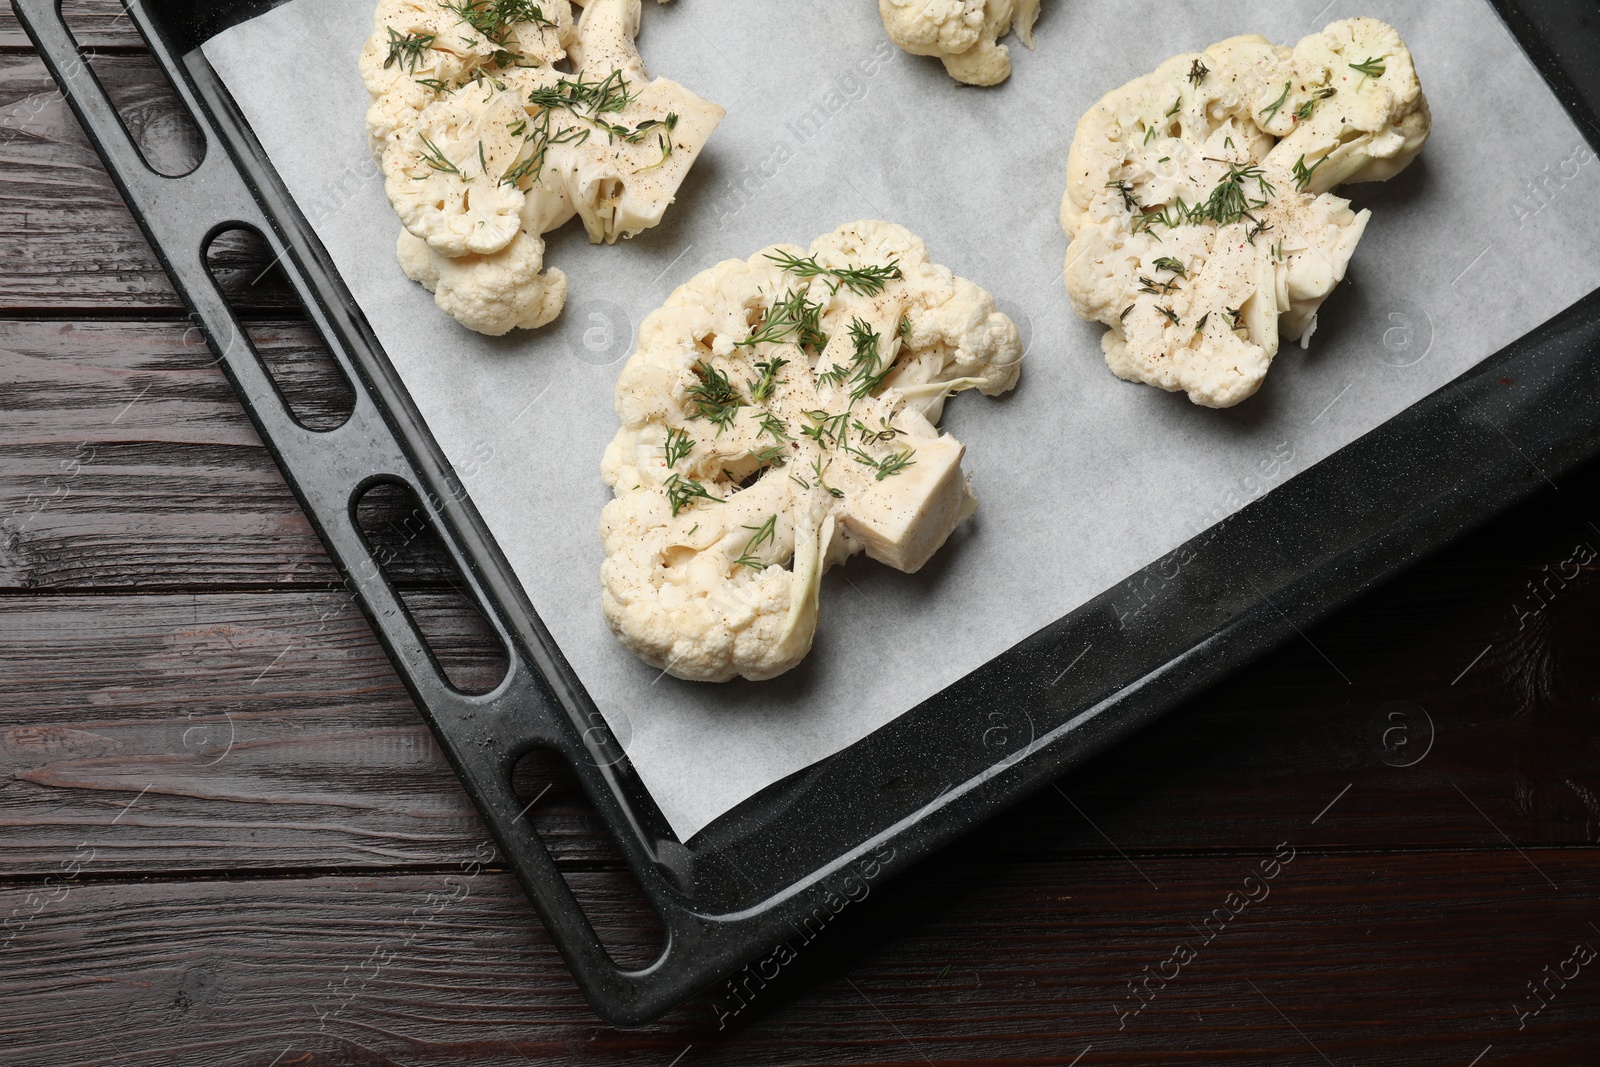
<point x="862" y="281"/>
<point x="889" y="466"/>
<point x="765" y="534"/>
<point x="762" y="388"/>
<point x="407" y="50"/>
<point x="683" y="492"/>
<point x="679" y="445"/>
<point x="713" y="397"/>
<point x="792" y="318"/>
<point x="1277" y="105"/>
<point x="1372" y="68"/>
<point x="1303" y="173"/>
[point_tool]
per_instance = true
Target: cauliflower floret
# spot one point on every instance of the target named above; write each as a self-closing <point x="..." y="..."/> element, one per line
<point x="421" y="48"/>
<point x="1201" y="238"/>
<point x="444" y="175"/>
<point x="965" y="34"/>
<point x="494" y="294"/>
<point x="486" y="146"/>
<point x="777" y="419"/>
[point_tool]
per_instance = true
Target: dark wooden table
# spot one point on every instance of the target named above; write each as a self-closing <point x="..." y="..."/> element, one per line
<point x="228" y="839"/>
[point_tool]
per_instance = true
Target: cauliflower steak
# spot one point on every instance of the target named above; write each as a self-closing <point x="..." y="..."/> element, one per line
<point x="487" y="143"/>
<point x="964" y="34"/>
<point x="780" y="416"/>
<point x="1199" y="200"/>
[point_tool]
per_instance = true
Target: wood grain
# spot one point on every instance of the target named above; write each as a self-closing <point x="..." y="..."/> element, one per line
<point x="98" y="24"/>
<point x="66" y="237"/>
<point x="270" y="731"/>
<point x="1363" y="959"/>
<point x="130" y="463"/>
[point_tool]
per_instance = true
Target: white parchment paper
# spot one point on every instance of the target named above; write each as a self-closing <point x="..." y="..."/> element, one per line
<point x="1084" y="479"/>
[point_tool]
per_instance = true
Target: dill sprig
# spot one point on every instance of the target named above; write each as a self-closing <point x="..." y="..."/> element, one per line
<point x="1277" y="105"/>
<point x="1179" y="214"/>
<point x="869" y="372"/>
<point x="862" y="281"/>
<point x="494" y="18"/>
<point x="437" y="160"/>
<point x="664" y="139"/>
<point x="713" y="397"/>
<point x="542" y="140"/>
<point x="820" y="469"/>
<point x="679" y="445"/>
<point x="889" y="466"/>
<point x="683" y="492"/>
<point x="771" y="456"/>
<point x="407" y="50"/>
<point x="1372" y="68"/>
<point x="762" y="388"/>
<point x="771" y="424"/>
<point x="765" y="534"/>
<point x="1303" y="173"/>
<point x="823" y="425"/>
<point x="792" y="318"/>
<point x="1155" y="288"/>
<point x="579" y="96"/>
<point x="884" y="434"/>
<point x="1228" y="202"/>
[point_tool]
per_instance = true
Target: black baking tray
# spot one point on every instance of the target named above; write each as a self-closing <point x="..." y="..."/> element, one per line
<point x="782" y="863"/>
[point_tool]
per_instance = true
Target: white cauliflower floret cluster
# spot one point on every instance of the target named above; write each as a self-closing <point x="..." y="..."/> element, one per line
<point x="1204" y="230"/>
<point x="778" y="418"/>
<point x="487" y="143"/>
<point x="965" y="34"/>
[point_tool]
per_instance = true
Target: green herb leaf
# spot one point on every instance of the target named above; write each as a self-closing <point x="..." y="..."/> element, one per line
<point x="679" y="445"/>
<point x="862" y="281"/>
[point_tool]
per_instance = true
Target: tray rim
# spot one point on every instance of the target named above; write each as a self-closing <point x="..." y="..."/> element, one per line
<point x="1250" y="633"/>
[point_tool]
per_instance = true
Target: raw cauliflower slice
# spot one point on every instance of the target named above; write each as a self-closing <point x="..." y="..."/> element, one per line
<point x="497" y="146"/>
<point x="1199" y="200"/>
<point x="964" y="34"/>
<point x="778" y="418"/>
<point x="419" y="49"/>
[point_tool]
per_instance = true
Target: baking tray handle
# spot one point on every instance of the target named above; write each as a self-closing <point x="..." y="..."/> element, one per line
<point x="329" y="471"/>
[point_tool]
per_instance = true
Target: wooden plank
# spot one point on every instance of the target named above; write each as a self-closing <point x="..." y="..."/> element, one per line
<point x="66" y="236"/>
<point x="128" y="462"/>
<point x="1359" y="959"/>
<point x="99" y="24"/>
<point x="268" y="730"/>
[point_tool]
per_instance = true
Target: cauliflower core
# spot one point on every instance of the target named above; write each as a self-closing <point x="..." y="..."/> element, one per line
<point x="965" y="34"/>
<point x="487" y="143"/>
<point x="779" y="417"/>
<point x="1199" y="202"/>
